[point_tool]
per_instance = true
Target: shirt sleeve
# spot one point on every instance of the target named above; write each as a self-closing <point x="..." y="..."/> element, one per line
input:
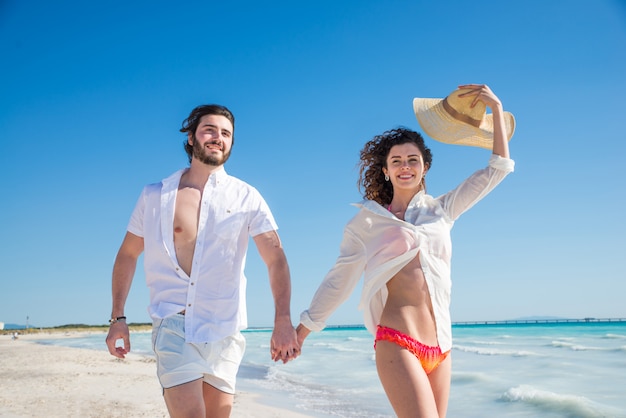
<point x="338" y="283"/>
<point x="262" y="219"/>
<point x="135" y="225"/>
<point x="477" y="186"/>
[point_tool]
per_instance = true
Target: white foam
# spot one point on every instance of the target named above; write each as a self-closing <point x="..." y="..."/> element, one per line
<point x="494" y="352"/>
<point x="549" y="402"/>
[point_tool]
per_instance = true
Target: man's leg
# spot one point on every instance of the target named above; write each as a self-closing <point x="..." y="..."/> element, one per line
<point x="186" y="400"/>
<point x="218" y="404"/>
<point x="198" y="400"/>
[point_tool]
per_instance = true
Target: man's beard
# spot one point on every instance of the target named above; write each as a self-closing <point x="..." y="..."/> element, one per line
<point x="209" y="159"/>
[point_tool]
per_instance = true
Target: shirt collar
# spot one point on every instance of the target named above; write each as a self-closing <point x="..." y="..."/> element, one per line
<point x="218" y="176"/>
<point x="375" y="207"/>
<point x="215" y="178"/>
<point x="174" y="179"/>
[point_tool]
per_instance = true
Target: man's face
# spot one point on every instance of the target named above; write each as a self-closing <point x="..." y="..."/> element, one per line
<point x="213" y="140"/>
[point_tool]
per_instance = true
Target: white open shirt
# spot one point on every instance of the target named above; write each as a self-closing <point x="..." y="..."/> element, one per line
<point x="214" y="296"/>
<point x="377" y="245"/>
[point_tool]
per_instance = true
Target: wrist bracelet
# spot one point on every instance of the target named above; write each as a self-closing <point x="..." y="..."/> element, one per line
<point x="117" y="319"/>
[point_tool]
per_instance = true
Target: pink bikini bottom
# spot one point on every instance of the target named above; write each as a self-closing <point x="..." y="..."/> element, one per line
<point x="430" y="357"/>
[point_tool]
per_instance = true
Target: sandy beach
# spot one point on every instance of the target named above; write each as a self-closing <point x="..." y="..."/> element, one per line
<point x="51" y="381"/>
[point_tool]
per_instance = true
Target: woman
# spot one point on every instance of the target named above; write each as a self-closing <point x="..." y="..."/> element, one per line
<point x="400" y="242"/>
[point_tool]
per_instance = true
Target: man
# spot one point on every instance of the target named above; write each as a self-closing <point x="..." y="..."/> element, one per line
<point x="193" y="229"/>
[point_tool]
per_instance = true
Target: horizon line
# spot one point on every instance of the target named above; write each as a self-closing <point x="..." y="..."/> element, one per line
<point x="539" y="320"/>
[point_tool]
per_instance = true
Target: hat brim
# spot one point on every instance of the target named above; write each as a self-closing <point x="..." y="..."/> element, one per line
<point x="441" y="126"/>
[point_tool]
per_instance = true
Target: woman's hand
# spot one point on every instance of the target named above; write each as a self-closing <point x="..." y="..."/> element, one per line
<point x="302" y="332"/>
<point x="483" y="93"/>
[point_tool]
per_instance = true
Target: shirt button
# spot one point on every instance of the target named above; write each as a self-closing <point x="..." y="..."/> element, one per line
<point x="189" y="304"/>
<point x="192" y="283"/>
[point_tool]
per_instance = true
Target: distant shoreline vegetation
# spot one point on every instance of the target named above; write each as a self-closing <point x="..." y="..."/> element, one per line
<point x="141" y="327"/>
<point x="11" y="328"/>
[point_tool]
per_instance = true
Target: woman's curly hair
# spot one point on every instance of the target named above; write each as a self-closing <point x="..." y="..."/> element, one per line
<point x="374" y="158"/>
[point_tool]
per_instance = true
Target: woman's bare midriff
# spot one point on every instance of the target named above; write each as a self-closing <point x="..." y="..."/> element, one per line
<point x="408" y="308"/>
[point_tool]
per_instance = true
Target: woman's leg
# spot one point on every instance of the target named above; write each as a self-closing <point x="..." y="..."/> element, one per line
<point x="405" y="382"/>
<point x="440" y="384"/>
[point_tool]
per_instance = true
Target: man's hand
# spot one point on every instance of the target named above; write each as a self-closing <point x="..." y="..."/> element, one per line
<point x="284" y="343"/>
<point x="117" y="331"/>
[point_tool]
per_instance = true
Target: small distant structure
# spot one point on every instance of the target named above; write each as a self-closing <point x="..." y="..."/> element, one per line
<point x="1" y="326"/>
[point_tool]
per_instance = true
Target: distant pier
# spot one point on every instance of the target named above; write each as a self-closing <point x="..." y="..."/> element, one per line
<point x="542" y="321"/>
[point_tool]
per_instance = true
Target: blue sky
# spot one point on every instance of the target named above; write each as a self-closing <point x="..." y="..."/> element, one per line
<point x="93" y="94"/>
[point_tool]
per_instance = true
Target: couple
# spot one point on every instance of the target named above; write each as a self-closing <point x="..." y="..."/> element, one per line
<point x="194" y="226"/>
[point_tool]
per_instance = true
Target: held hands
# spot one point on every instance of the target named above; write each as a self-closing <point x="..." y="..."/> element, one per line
<point x="284" y="343"/>
<point x="301" y="333"/>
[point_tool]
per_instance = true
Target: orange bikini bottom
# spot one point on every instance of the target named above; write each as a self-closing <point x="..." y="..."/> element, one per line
<point x="430" y="357"/>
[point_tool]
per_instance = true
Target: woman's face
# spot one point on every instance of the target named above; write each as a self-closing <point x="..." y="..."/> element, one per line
<point x="405" y="167"/>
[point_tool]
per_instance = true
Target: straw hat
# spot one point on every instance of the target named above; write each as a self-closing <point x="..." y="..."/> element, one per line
<point x="453" y="121"/>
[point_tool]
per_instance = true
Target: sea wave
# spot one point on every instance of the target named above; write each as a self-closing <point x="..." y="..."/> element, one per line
<point x="493" y="352"/>
<point x="575" y="347"/>
<point x="614" y="336"/>
<point x="321" y="398"/>
<point x="339" y="347"/>
<point x="358" y="339"/>
<point x="571" y="406"/>
<point x="484" y="342"/>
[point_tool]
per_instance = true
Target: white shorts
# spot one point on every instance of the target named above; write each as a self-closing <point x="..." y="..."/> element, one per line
<point x="179" y="362"/>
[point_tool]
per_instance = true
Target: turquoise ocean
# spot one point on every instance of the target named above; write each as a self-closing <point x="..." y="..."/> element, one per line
<point x="538" y="369"/>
